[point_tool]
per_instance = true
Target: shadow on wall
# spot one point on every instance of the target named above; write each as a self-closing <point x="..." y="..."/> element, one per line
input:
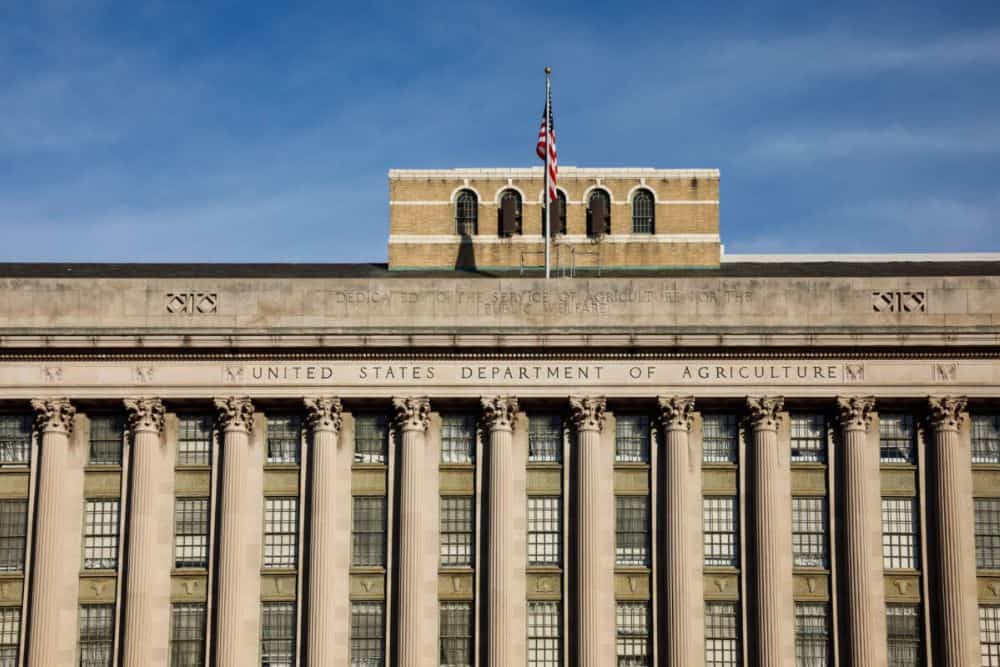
<point x="466" y="254"/>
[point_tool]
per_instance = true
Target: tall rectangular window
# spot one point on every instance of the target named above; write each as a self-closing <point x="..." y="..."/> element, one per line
<point x="544" y="634"/>
<point x="720" y="438"/>
<point x="632" y="530"/>
<point x="720" y="531"/>
<point x="458" y="439"/>
<point x="900" y="534"/>
<point x="632" y="439"/>
<point x="808" y="438"/>
<point x="457" y="531"/>
<point x="456" y="634"/>
<point x="284" y="438"/>
<point x="13" y="534"/>
<point x="191" y="532"/>
<point x="369" y="531"/>
<point x="809" y="531"/>
<point x="100" y="538"/>
<point x="986" y="438"/>
<point x="15" y="439"/>
<point x="97" y="632"/>
<point x="10" y="635"/>
<point x="107" y="433"/>
<point x="187" y="634"/>
<point x="277" y="645"/>
<point x="544" y="530"/>
<point x="194" y="440"/>
<point x="812" y="635"/>
<point x="371" y="438"/>
<point x="281" y="532"/>
<point x="905" y="638"/>
<point x="545" y="438"/>
<point x="632" y="634"/>
<point x="722" y="634"/>
<point x="367" y="634"/>
<point x="896" y="436"/>
<point x="987" y="513"/>
<point x="989" y="635"/>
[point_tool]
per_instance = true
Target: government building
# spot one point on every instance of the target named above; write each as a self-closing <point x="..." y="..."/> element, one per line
<point x="661" y="456"/>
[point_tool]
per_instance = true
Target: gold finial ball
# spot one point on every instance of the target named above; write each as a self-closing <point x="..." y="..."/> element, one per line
<point x="548" y="70"/>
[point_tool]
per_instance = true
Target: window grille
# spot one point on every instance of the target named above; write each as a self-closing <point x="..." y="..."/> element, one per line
<point x="284" y="438"/>
<point x="194" y="440"/>
<point x="720" y="531"/>
<point x="15" y="439"/>
<point x="632" y="530"/>
<point x="367" y="634"/>
<point x="13" y="534"/>
<point x="107" y="433"/>
<point x="720" y="438"/>
<point x="896" y="435"/>
<point x="187" y="635"/>
<point x="456" y="634"/>
<point x="371" y="437"/>
<point x="100" y="540"/>
<point x="987" y="512"/>
<point x="97" y="629"/>
<point x="545" y="438"/>
<point x="544" y="530"/>
<point x="457" y="531"/>
<point x="989" y="635"/>
<point x="458" y="439"/>
<point x="808" y="438"/>
<point x="632" y="439"/>
<point x="599" y="213"/>
<point x="722" y="635"/>
<point x="10" y="635"/>
<point x="369" y="531"/>
<point x="466" y="213"/>
<point x="558" y="221"/>
<point x="985" y="438"/>
<point x="515" y="199"/>
<point x="281" y="531"/>
<point x="812" y="635"/>
<point x="642" y="212"/>
<point x="900" y="534"/>
<point x="191" y="532"/>
<point x="278" y="635"/>
<point x="809" y="531"/>
<point x="632" y="636"/>
<point x="905" y="638"/>
<point x="544" y="634"/>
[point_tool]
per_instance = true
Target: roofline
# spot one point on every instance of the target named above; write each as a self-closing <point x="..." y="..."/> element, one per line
<point x="564" y="172"/>
<point x="859" y="258"/>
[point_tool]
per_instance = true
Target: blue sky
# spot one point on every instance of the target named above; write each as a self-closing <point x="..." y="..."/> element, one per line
<point x="251" y="131"/>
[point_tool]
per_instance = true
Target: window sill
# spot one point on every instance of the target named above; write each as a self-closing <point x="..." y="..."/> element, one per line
<point x="359" y="465"/>
<point x="103" y="467"/>
<point x="455" y="569"/>
<point x="808" y="465"/>
<point x="278" y="570"/>
<point x="721" y="569"/>
<point x="104" y="572"/>
<point x="800" y="569"/>
<point x="7" y="575"/>
<point x="282" y="465"/>
<point x="367" y="569"/>
<point x="8" y="468"/>
<point x="718" y="465"/>
<point x="189" y="572"/>
<point x="632" y="569"/>
<point x="544" y="465"/>
<point x="632" y="465"/>
<point x="907" y="572"/>
<point x="458" y="466"/>
<point x="197" y="467"/>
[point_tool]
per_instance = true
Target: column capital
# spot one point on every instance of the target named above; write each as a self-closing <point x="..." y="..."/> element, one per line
<point x="145" y="414"/>
<point x="587" y="412"/>
<point x="235" y="413"/>
<point x="412" y="413"/>
<point x="54" y="415"/>
<point x="676" y="412"/>
<point x="855" y="412"/>
<point x="324" y="413"/>
<point x="946" y="412"/>
<point x="498" y="412"/>
<point x="765" y="412"/>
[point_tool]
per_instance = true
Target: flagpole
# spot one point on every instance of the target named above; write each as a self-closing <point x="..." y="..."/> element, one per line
<point x="548" y="154"/>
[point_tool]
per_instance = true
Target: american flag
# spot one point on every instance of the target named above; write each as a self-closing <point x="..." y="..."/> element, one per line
<point x="547" y="137"/>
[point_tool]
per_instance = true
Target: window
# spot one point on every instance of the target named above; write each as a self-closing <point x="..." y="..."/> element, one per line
<point x="643" y="208"/>
<point x="13" y="534"/>
<point x="632" y="439"/>
<point x="97" y="628"/>
<point x="987" y="511"/>
<point x="808" y="439"/>
<point x="458" y="439"/>
<point x="194" y="440"/>
<point x="722" y="634"/>
<point x="281" y="530"/>
<point x="367" y="634"/>
<point x="632" y="634"/>
<point x="809" y="529"/>
<point x="510" y="213"/>
<point x="895" y="434"/>
<point x="371" y="435"/>
<point x="15" y="439"/>
<point x="599" y="213"/>
<point x="191" y="532"/>
<point x="369" y="531"/>
<point x="900" y="534"/>
<point x="456" y="634"/>
<point x="558" y="220"/>
<point x="544" y="634"/>
<point x="10" y="635"/>
<point x="466" y="213"/>
<point x="457" y="531"/>
<point x="985" y="439"/>
<point x="187" y="635"/>
<point x="277" y="646"/>
<point x="545" y="438"/>
<point x="812" y="635"/>
<point x="284" y="437"/>
<point x="903" y="627"/>
<point x="720" y="438"/>
<point x="720" y="531"/>
<point x="632" y="530"/>
<point x="544" y="530"/>
<point x="106" y="435"/>
<point x="989" y="635"/>
<point x="100" y="539"/>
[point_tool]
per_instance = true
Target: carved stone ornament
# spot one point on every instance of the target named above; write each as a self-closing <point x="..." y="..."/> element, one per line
<point x="235" y="413"/>
<point x="676" y="412"/>
<point x="54" y="414"/>
<point x="499" y="412"/>
<point x="946" y="412"/>
<point x="587" y="413"/>
<point x="765" y="412"/>
<point x="412" y="413"/>
<point x="324" y="414"/>
<point x="145" y="414"/>
<point x="855" y="412"/>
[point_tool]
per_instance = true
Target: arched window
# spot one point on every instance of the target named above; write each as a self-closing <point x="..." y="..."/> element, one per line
<point x="510" y="213"/>
<point x="466" y="213"/>
<point x="558" y="215"/>
<point x="642" y="212"/>
<point x="599" y="213"/>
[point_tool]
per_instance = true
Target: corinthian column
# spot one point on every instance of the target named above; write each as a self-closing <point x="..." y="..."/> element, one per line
<point x="953" y="563"/>
<point x="770" y="569"/>
<point x="683" y="621"/>
<point x="412" y="417"/>
<point x="595" y="534"/>
<point x="147" y="579"/>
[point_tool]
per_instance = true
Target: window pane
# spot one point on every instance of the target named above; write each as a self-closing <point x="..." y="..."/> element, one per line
<point x="720" y="438"/>
<point x="194" y="440"/>
<point x="15" y="439"/>
<point x="10" y="635"/>
<point x="13" y="534"/>
<point x="632" y="530"/>
<point x="458" y="439"/>
<point x="986" y="439"/>
<point x="371" y="437"/>
<point x="466" y="213"/>
<point x="809" y="530"/>
<point x="989" y="635"/>
<point x="812" y="635"/>
<point x="281" y="529"/>
<point x="720" y="531"/>
<point x="544" y="634"/>
<point x="369" y="531"/>
<point x="191" y="532"/>
<point x="187" y="635"/>
<point x="722" y="634"/>
<point x="278" y="635"/>
<point x="100" y="540"/>
<point x="544" y="530"/>
<point x="97" y="628"/>
<point x="642" y="212"/>
<point x="808" y="438"/>
<point x="367" y="634"/>
<point x="106" y="435"/>
<point x="632" y="639"/>
<point x="903" y="626"/>
<point x="545" y="438"/>
<point x="632" y="439"/>
<point x="896" y="438"/>
<point x="456" y="634"/>
<point x="284" y="436"/>
<point x="900" y="534"/>
<point x="987" y="511"/>
<point x="457" y="532"/>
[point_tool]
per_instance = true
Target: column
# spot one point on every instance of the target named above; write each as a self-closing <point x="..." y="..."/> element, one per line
<point x="861" y="577"/>
<point x="150" y="548"/>
<point x="412" y="417"/>
<point x="327" y="583"/>
<point x="681" y="563"/>
<point x="952" y="566"/>
<point x="770" y="608"/>
<point x="503" y="633"/>
<point x="595" y="536"/>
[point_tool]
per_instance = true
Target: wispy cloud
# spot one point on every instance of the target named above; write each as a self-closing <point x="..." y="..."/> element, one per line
<point x="886" y="143"/>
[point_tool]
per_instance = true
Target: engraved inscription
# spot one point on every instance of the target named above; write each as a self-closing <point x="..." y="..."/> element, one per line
<point x="896" y="301"/>
<point x="52" y="374"/>
<point x="192" y="303"/>
<point x="945" y="372"/>
<point x="854" y="372"/>
<point x="144" y="374"/>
